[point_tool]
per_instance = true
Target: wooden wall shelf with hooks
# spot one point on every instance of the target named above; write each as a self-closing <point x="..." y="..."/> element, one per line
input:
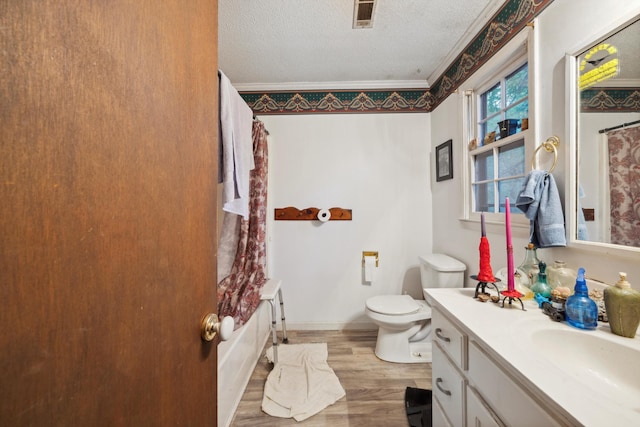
<point x="294" y="214"/>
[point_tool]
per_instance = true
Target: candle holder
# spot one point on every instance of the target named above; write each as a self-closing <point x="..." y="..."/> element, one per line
<point x="482" y="286"/>
<point x="512" y="295"/>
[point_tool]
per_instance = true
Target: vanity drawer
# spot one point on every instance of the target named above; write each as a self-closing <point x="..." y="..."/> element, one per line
<point x="448" y="387"/>
<point x="450" y="338"/>
<point x="438" y="419"/>
<point x="509" y="401"/>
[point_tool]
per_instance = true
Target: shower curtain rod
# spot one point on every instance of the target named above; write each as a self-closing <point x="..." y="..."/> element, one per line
<point x="624" y="125"/>
<point x="256" y="119"/>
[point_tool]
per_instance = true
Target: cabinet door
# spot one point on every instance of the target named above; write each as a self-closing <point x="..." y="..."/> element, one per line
<point x="448" y="387"/>
<point x="478" y="415"/>
<point x="507" y="399"/>
<point x="438" y="417"/>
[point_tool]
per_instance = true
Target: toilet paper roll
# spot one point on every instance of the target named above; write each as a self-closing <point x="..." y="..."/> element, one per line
<point x="369" y="268"/>
<point x="324" y="215"/>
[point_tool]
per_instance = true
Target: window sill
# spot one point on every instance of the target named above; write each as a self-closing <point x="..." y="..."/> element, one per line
<point x="503" y="141"/>
<point x="517" y="221"/>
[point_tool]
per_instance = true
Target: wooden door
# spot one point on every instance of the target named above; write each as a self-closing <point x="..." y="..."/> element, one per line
<point x="108" y="145"/>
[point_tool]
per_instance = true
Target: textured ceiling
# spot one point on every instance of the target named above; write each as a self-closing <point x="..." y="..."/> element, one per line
<point x="627" y="41"/>
<point x="311" y="43"/>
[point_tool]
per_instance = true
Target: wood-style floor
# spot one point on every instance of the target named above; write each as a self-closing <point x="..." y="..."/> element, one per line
<point x="374" y="389"/>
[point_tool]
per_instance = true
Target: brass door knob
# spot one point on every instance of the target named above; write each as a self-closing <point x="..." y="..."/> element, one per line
<point x="210" y="326"/>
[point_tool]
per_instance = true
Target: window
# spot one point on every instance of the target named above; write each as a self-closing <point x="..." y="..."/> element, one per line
<point x="497" y="99"/>
<point x="489" y="188"/>
<point x="508" y="99"/>
<point x="499" y="169"/>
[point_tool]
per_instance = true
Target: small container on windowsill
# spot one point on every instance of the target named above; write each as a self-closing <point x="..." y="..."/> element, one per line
<point x="508" y="127"/>
<point x="489" y="138"/>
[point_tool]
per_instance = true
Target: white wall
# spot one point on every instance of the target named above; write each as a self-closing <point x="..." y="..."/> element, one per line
<point x="561" y="28"/>
<point x="380" y="166"/>
<point x="375" y="164"/>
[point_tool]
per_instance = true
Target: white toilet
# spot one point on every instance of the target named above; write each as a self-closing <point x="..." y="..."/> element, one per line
<point x="404" y="333"/>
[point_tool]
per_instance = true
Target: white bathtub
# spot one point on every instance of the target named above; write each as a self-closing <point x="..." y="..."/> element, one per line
<point x="237" y="358"/>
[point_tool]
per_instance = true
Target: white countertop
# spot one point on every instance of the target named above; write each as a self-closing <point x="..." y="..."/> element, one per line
<point x="505" y="334"/>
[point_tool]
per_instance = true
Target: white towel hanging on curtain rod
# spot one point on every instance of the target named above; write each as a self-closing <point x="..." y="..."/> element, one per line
<point x="236" y="121"/>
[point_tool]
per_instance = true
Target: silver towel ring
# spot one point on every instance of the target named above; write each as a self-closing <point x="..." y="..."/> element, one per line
<point x="550" y="146"/>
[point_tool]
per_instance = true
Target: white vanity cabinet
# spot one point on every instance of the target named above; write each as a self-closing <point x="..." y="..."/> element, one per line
<point x="449" y="361"/>
<point x="471" y="389"/>
<point x="478" y="414"/>
<point x="438" y="418"/>
<point x="448" y="387"/>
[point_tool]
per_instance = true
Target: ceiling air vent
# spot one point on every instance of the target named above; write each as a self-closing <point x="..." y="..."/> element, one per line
<point x="363" y="13"/>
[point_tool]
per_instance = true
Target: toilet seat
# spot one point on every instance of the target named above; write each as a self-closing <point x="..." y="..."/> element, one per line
<point x="393" y="305"/>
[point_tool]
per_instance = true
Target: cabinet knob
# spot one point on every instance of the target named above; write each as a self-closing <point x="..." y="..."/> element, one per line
<point x="442" y="337"/>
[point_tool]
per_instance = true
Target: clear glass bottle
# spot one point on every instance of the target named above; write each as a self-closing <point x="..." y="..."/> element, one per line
<point x="520" y="287"/>
<point x="559" y="275"/>
<point x="541" y="286"/>
<point x="530" y="265"/>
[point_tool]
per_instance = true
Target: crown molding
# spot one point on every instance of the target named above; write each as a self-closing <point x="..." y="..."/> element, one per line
<point x="474" y="29"/>
<point x="508" y="19"/>
<point x="332" y="86"/>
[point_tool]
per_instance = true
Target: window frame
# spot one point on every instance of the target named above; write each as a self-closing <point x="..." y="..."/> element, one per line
<point x="498" y="81"/>
<point x="520" y="50"/>
<point x="496" y="179"/>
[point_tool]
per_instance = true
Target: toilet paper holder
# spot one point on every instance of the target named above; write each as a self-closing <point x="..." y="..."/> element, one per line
<point x="369" y="253"/>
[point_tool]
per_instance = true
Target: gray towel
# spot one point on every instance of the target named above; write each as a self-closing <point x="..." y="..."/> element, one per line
<point x="540" y="201"/>
<point x="583" y="233"/>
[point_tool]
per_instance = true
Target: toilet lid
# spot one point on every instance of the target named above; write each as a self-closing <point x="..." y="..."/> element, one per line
<point x="394" y="305"/>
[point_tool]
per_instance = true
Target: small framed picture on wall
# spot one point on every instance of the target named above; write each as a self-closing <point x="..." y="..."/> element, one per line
<point x="444" y="161"/>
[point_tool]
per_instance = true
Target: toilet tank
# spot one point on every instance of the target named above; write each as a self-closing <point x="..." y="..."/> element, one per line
<point x="441" y="271"/>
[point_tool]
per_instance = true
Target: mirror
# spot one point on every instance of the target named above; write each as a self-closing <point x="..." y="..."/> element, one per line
<point x="607" y="140"/>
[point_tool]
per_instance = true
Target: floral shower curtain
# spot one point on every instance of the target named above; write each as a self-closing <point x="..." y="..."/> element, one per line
<point x="239" y="292"/>
<point x="624" y="179"/>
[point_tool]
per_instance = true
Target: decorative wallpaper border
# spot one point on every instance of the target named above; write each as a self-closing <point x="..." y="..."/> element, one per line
<point x="339" y="101"/>
<point x="506" y="23"/>
<point x="610" y="100"/>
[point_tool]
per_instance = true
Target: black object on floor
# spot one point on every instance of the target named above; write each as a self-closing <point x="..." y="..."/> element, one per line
<point x="417" y="402"/>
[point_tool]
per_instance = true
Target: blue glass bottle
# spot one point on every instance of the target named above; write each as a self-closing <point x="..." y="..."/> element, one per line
<point x="581" y="311"/>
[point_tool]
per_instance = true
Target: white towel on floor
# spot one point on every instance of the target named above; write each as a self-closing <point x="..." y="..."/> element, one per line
<point x="301" y="384"/>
